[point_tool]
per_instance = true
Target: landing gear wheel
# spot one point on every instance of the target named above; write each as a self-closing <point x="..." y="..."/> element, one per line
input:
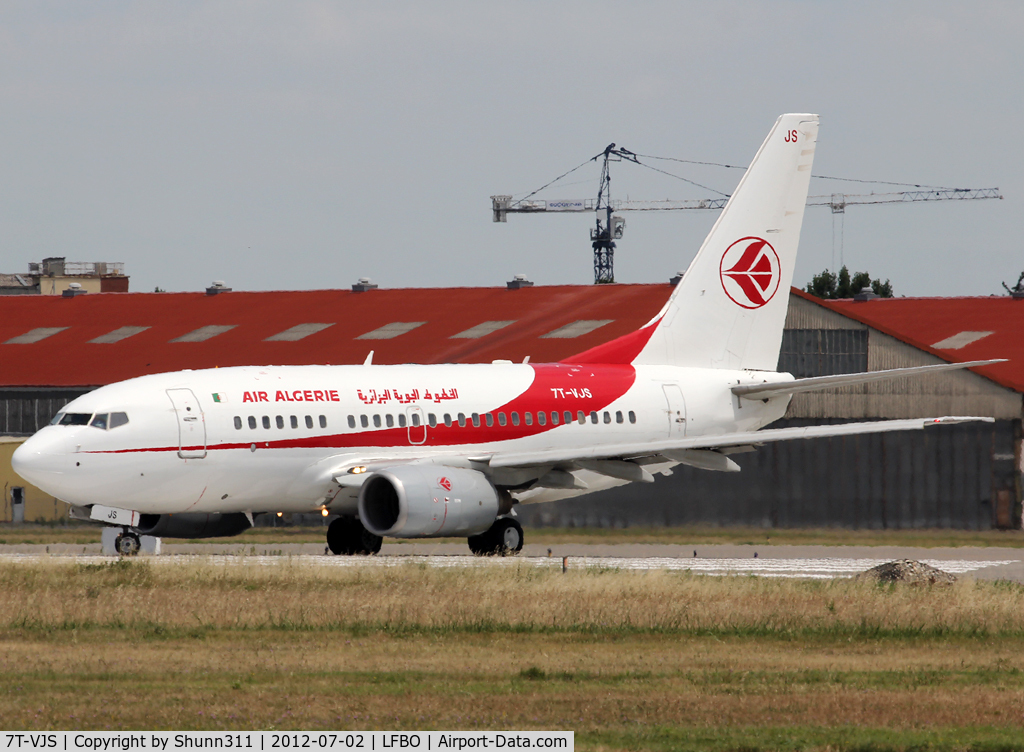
<point x="510" y="536"/>
<point x="479" y="545"/>
<point x="127" y="544"/>
<point x="503" y="538"/>
<point x="346" y="536"/>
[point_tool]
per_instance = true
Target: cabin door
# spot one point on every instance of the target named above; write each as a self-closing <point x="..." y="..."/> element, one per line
<point x="417" y="425"/>
<point x="191" y="424"/>
<point x="676" y="410"/>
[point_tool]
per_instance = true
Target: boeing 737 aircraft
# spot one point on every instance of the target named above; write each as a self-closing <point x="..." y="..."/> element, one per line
<point x="417" y="451"/>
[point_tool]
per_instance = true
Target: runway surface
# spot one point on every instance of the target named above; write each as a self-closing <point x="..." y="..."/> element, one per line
<point x="810" y="562"/>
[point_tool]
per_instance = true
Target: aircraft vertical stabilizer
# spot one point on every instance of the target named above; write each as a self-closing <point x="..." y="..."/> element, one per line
<point x="729" y="309"/>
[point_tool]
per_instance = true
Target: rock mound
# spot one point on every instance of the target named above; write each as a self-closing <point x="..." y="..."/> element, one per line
<point x="909" y="571"/>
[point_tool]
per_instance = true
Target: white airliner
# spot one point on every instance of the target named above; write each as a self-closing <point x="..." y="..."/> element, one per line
<point x="449" y="450"/>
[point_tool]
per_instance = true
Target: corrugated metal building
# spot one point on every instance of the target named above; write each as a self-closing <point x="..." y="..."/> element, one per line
<point x="52" y="349"/>
<point x="966" y="476"/>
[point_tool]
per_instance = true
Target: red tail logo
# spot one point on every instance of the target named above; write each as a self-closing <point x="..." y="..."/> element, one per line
<point x="750" y="272"/>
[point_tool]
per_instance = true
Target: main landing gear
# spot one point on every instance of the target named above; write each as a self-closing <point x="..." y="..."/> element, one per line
<point x="347" y="536"/>
<point x="503" y="538"/>
<point x="127" y="543"/>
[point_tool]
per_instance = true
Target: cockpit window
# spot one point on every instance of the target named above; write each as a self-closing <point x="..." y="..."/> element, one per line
<point x="57" y="418"/>
<point x="75" y="419"/>
<point x="108" y="421"/>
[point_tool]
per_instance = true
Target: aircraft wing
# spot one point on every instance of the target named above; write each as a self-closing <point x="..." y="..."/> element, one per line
<point x="816" y="383"/>
<point x="668" y="447"/>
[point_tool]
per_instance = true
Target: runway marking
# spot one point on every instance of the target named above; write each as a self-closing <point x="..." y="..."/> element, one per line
<point x="825" y="568"/>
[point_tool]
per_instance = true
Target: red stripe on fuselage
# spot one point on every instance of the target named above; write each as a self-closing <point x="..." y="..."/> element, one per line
<point x="551" y="391"/>
<point x="622" y="349"/>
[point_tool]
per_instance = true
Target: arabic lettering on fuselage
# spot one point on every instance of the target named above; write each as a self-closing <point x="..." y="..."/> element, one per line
<point x="387" y="396"/>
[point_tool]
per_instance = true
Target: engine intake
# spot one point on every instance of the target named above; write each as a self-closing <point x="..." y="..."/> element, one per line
<point x="192" y="525"/>
<point x="427" y="501"/>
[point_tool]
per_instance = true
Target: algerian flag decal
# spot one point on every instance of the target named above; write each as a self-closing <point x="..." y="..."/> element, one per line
<point x="220" y="397"/>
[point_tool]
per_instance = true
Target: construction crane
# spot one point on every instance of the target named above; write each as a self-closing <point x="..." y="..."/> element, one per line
<point x="609" y="228"/>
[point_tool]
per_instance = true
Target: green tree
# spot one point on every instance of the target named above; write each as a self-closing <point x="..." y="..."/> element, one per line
<point x="823" y="285"/>
<point x="829" y="286"/>
<point x="882" y="289"/>
<point x="844" y="289"/>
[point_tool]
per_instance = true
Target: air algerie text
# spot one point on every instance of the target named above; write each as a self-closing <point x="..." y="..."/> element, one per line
<point x="296" y="395"/>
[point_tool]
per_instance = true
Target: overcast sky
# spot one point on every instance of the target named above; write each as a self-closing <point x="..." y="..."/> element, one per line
<point x="303" y="144"/>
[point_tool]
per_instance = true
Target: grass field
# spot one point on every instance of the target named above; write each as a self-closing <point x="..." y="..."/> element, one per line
<point x="83" y="534"/>
<point x="629" y="660"/>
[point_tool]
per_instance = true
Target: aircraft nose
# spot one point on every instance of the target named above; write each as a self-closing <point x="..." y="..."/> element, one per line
<point x="41" y="459"/>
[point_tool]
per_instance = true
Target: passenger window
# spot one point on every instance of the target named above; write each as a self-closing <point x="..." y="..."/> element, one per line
<point x="476" y="419"/>
<point x="266" y="421"/>
<point x="295" y="422"/>
<point x="490" y="419"/>
<point x="323" y="421"/>
<point x="389" y="420"/>
<point x="542" y="418"/>
<point x="432" y="419"/>
<point x="415" y="420"/>
<point x="448" y="420"/>
<point x="502" y="420"/>
<point x="554" y="417"/>
<point x="593" y="417"/>
<point x="252" y="421"/>
<point x="515" y="418"/>
<point x="99" y="421"/>
<point x="607" y="417"/>
<point x="238" y="423"/>
<point x="462" y="420"/>
<point x="618" y="416"/>
<point x="309" y="421"/>
<point x="280" y="421"/>
<point x="364" y="421"/>
<point x="568" y="417"/>
<point x="351" y="421"/>
<point x="632" y="417"/>
<point x="401" y="420"/>
<point x="581" y="417"/>
<point x="529" y="418"/>
<point x="376" y="421"/>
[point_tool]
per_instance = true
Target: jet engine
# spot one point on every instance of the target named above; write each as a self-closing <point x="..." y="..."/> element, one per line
<point x="192" y="525"/>
<point x="427" y="501"/>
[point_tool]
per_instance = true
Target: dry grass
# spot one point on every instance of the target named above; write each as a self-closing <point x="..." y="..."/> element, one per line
<point x="294" y="595"/>
<point x="630" y="660"/>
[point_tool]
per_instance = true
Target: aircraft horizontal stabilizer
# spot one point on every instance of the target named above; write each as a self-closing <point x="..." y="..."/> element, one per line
<point x="765" y="436"/>
<point x="816" y="383"/>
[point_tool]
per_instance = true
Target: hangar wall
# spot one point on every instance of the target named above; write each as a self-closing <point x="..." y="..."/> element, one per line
<point x="26" y="410"/>
<point x="36" y="506"/>
<point x="966" y="476"/>
<point x="961" y="477"/>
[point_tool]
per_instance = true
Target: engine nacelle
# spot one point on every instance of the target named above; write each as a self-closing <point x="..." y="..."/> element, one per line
<point x="427" y="501"/>
<point x="192" y="525"/>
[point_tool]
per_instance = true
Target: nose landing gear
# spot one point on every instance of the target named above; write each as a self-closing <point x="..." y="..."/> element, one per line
<point x="127" y="543"/>
<point x="503" y="538"/>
